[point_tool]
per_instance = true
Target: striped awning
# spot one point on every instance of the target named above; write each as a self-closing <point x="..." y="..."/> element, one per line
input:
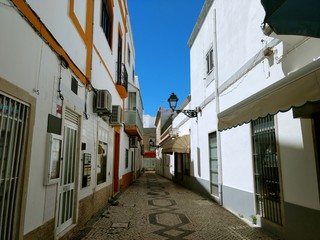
<point x="178" y="144"/>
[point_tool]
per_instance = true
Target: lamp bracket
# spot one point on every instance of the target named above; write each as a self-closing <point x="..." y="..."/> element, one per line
<point x="189" y="113"/>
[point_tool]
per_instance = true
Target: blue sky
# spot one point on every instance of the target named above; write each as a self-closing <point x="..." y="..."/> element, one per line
<point x="161" y="30"/>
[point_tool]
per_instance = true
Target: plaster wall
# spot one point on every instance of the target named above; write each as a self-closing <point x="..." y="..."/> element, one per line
<point x="200" y="130"/>
<point x="237" y="162"/>
<point x="31" y="65"/>
<point x="55" y="16"/>
<point x="298" y="161"/>
<point x="109" y="53"/>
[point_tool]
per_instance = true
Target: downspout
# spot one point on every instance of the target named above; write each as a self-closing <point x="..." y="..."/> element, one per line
<point x="216" y="77"/>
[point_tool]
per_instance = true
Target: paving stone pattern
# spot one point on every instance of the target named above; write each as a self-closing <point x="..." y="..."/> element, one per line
<point x="155" y="208"/>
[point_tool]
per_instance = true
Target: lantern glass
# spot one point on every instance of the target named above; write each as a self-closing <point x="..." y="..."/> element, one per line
<point x="173" y="100"/>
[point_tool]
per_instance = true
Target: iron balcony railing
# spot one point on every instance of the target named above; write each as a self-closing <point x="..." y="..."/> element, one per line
<point x="122" y="76"/>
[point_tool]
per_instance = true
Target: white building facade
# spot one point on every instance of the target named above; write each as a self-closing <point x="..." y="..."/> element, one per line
<point x="65" y="141"/>
<point x="257" y="138"/>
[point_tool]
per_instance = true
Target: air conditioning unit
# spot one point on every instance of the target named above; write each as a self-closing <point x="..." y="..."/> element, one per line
<point x="103" y="102"/>
<point x="116" y="115"/>
<point x="133" y="141"/>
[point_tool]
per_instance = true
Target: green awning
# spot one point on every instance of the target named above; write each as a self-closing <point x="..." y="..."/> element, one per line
<point x="294" y="90"/>
<point x="293" y="17"/>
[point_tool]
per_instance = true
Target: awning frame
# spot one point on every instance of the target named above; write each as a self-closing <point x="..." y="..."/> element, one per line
<point x="305" y="80"/>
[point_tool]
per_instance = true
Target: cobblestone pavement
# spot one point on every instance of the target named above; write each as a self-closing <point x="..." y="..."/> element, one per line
<point x="155" y="208"/>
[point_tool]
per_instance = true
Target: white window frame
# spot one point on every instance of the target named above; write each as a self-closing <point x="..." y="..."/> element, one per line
<point x="209" y="61"/>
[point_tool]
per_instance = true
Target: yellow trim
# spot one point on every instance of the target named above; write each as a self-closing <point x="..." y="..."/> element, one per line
<point x="103" y="62"/>
<point x="34" y="20"/>
<point x="125" y="6"/>
<point x="123" y="42"/>
<point x="117" y="129"/>
<point x="87" y="35"/>
<point x="122" y="91"/>
<point x="125" y="49"/>
<point x="123" y="16"/>
<point x="75" y="20"/>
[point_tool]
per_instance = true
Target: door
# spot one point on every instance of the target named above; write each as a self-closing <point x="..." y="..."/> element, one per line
<point x="213" y="157"/>
<point x="13" y="129"/>
<point x="266" y="169"/>
<point x="116" y="186"/>
<point x="67" y="193"/>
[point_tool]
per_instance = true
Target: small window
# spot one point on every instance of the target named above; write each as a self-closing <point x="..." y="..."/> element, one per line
<point x="129" y="54"/>
<point x="74" y="85"/>
<point x="107" y="20"/>
<point x="209" y="60"/>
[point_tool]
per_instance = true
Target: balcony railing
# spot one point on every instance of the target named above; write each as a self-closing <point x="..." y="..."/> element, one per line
<point x="133" y="121"/>
<point x="122" y="80"/>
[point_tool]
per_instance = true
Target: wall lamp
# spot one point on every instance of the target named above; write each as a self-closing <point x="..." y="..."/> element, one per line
<point x="173" y="100"/>
<point x="152" y="144"/>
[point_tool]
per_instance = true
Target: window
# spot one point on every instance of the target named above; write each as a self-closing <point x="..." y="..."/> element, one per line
<point x="102" y="162"/>
<point x="107" y="20"/>
<point x="132" y="102"/>
<point x="209" y="60"/>
<point x="129" y="54"/>
<point x="266" y="169"/>
<point x="127" y="159"/>
<point x="74" y="85"/>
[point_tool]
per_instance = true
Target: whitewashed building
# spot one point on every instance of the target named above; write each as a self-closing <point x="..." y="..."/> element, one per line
<point x="162" y="123"/>
<point x="173" y="148"/>
<point x="67" y="144"/>
<point x="255" y="147"/>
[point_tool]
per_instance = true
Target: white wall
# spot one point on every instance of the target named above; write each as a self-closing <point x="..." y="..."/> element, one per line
<point x="237" y="162"/>
<point x="298" y="163"/>
<point x="55" y="16"/>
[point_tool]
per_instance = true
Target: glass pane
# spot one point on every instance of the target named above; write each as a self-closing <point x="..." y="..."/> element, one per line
<point x="102" y="162"/>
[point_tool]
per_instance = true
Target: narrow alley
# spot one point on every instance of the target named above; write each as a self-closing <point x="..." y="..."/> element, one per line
<point x="156" y="208"/>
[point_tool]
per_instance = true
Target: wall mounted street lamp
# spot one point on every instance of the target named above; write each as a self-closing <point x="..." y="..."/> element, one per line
<point x="152" y="144"/>
<point x="173" y="100"/>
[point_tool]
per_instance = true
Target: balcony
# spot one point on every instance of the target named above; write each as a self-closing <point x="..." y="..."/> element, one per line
<point x="122" y="81"/>
<point x="133" y="123"/>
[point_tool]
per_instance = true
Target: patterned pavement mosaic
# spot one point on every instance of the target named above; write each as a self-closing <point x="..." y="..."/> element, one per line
<point x="156" y="208"/>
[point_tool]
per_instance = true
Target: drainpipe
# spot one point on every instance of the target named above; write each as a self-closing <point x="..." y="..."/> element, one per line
<point x="216" y="77"/>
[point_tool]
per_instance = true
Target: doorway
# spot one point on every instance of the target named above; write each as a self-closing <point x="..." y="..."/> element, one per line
<point x="116" y="186"/>
<point x="67" y="188"/>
